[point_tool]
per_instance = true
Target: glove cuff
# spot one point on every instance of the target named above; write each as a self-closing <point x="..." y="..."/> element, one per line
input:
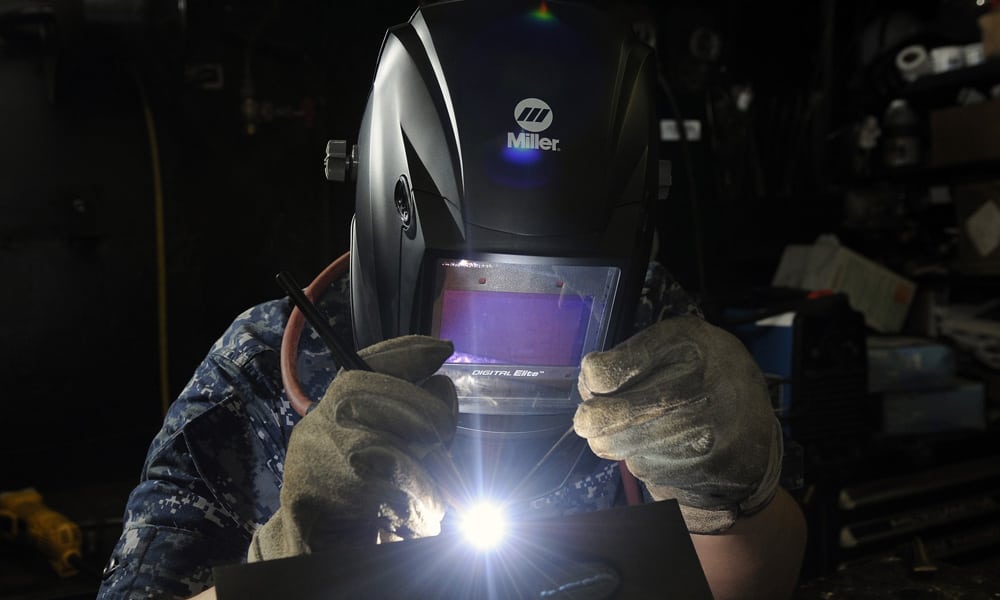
<point x="283" y="536"/>
<point x="709" y="521"/>
<point x="768" y="485"/>
<point x="271" y="541"/>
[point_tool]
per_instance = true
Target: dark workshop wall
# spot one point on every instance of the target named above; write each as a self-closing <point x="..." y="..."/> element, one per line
<point x="76" y="257"/>
<point x="79" y="365"/>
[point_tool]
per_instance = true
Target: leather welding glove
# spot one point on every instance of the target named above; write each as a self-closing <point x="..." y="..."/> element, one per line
<point x="353" y="466"/>
<point x="686" y="407"/>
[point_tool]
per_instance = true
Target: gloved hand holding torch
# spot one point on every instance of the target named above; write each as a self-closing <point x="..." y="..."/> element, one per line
<point x="353" y="466"/>
<point x="686" y="407"/>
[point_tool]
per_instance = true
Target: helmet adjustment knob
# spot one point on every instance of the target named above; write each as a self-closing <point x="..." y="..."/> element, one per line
<point x="341" y="161"/>
<point x="403" y="198"/>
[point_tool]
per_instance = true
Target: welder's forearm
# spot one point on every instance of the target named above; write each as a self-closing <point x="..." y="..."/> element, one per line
<point x="208" y="594"/>
<point x="758" y="557"/>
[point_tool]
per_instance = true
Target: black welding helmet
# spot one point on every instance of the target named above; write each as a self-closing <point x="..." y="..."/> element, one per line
<point x="506" y="169"/>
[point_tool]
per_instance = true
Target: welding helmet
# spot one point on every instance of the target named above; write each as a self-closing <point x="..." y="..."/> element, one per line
<point x="505" y="173"/>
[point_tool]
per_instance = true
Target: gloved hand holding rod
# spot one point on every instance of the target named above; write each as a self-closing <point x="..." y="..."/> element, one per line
<point x="371" y="458"/>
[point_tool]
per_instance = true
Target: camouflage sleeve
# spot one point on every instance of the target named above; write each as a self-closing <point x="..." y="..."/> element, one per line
<point x="175" y="532"/>
<point x="213" y="473"/>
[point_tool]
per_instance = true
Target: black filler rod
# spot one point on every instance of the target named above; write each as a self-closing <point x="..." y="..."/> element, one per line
<point x="440" y="463"/>
<point x="344" y="355"/>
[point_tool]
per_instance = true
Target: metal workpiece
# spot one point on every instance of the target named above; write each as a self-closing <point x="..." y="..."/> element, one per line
<point x="622" y="553"/>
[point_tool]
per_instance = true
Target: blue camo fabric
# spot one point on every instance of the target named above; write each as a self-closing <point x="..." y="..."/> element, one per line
<point x="213" y="473"/>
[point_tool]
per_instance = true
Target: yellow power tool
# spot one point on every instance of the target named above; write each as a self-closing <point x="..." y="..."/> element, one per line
<point x="26" y="519"/>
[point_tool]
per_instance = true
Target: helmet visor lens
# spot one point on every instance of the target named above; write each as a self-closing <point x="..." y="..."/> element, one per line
<point x="520" y="330"/>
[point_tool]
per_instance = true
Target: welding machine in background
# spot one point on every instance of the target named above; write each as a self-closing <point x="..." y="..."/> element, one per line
<point x="812" y="351"/>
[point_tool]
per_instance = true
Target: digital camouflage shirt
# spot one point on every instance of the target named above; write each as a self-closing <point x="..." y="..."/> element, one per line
<point x="213" y="473"/>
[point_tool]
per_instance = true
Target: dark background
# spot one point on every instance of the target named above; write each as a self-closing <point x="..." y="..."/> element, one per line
<point x="244" y="94"/>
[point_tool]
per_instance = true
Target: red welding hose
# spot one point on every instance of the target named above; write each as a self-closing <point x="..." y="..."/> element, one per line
<point x="293" y="333"/>
<point x="633" y="495"/>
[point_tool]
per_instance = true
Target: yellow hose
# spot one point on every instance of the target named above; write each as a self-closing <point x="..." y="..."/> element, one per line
<point x="161" y="252"/>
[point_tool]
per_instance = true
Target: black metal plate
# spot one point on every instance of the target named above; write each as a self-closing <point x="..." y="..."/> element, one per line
<point x="638" y="552"/>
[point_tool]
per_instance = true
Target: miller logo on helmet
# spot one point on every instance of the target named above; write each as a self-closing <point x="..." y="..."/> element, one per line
<point x="532" y="115"/>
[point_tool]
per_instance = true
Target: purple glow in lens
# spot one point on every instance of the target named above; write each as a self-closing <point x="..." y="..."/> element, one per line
<point x="515" y="327"/>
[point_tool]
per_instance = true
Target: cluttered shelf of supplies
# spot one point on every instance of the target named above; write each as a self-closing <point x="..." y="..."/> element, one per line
<point x="923" y="168"/>
<point x="884" y="363"/>
<point x="929" y="530"/>
<point x="928" y="139"/>
<point x="906" y="501"/>
<point x="942" y="88"/>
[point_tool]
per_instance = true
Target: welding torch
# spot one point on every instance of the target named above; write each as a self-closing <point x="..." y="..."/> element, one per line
<point x="438" y="461"/>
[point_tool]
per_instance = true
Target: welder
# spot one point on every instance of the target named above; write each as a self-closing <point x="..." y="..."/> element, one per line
<point x="500" y="287"/>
